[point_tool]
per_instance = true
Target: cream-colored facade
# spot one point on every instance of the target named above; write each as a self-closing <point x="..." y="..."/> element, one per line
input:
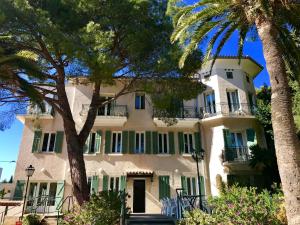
<point x="133" y="149"/>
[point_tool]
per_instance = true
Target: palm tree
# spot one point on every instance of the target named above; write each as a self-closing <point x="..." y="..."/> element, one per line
<point x="212" y="22"/>
<point x="25" y="62"/>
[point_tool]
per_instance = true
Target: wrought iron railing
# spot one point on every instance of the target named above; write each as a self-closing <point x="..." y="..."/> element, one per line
<point x="69" y="200"/>
<point x="236" y="154"/>
<point x="234" y="109"/>
<point x="190" y="202"/>
<point x="36" y="111"/>
<point x="180" y="113"/>
<point x="113" y="110"/>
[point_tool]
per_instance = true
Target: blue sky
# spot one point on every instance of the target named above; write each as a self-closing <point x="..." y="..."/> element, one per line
<point x="10" y="139"/>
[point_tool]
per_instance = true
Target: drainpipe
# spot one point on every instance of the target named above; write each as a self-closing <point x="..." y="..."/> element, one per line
<point x="204" y="166"/>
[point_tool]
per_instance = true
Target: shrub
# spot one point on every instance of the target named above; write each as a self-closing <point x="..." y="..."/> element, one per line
<point x="241" y="205"/>
<point x="102" y="209"/>
<point x="32" y="219"/>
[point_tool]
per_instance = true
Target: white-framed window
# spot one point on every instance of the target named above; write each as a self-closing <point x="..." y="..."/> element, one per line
<point x="106" y="110"/>
<point x="210" y="102"/>
<point x="114" y="183"/>
<point x="89" y="182"/>
<point x="163" y="143"/>
<point x="233" y="100"/>
<point x="91" y="144"/>
<point x="191" y="186"/>
<point x="248" y="78"/>
<point x="116" y="142"/>
<point x="229" y="75"/>
<point x="237" y="139"/>
<point x="41" y="192"/>
<point x="139" y="101"/>
<point x="188" y="142"/>
<point x="48" y="142"/>
<point x="139" y="142"/>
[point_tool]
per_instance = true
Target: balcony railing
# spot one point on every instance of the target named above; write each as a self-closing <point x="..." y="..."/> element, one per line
<point x="236" y="109"/>
<point x="114" y="111"/>
<point x="236" y="154"/>
<point x="181" y="113"/>
<point x="36" y="111"/>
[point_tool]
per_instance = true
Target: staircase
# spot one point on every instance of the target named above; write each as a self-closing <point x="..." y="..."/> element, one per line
<point x="148" y="219"/>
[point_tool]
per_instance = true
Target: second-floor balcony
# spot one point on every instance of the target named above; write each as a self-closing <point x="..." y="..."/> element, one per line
<point x="108" y="115"/>
<point x="236" y="154"/>
<point x="186" y="116"/>
<point x="33" y="112"/>
<point x="225" y="109"/>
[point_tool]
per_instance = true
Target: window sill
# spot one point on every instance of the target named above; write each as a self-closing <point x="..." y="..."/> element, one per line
<point x="115" y="154"/>
<point x="187" y="155"/>
<point x="91" y="154"/>
<point x="163" y="155"/>
<point x="47" y="153"/>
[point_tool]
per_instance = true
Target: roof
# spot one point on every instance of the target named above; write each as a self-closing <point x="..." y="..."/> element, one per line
<point x="139" y="173"/>
<point x="249" y="65"/>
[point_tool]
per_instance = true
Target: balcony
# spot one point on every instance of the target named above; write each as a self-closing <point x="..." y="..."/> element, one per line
<point x="108" y="115"/>
<point x="229" y="110"/>
<point x="34" y="112"/>
<point x="236" y="154"/>
<point x="185" y="117"/>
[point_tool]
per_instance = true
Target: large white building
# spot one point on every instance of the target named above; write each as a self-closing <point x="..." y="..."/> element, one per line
<point x="129" y="147"/>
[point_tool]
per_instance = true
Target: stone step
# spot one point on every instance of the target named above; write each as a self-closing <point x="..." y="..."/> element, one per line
<point x="148" y="219"/>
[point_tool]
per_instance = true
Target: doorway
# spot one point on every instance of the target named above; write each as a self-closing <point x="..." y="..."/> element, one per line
<point x="139" y="196"/>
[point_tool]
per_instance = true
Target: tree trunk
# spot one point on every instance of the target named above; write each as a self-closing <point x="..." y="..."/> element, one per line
<point x="286" y="142"/>
<point x="76" y="162"/>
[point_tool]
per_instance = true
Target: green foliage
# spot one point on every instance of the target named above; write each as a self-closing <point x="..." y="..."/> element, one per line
<point x="211" y="23"/>
<point x="263" y="111"/>
<point x="102" y="209"/>
<point x="265" y="160"/>
<point x="2" y="193"/>
<point x="238" y="205"/>
<point x="32" y="219"/>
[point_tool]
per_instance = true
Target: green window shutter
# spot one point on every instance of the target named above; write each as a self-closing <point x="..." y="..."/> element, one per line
<point x="171" y="143"/>
<point x="36" y="141"/>
<point x="124" y="142"/>
<point x="194" y="186"/>
<point x="197" y="136"/>
<point x="18" y="195"/>
<point x="155" y="142"/>
<point x="95" y="185"/>
<point x="98" y="139"/>
<point x="59" y="194"/>
<point x="181" y="142"/>
<point x="251" y="137"/>
<point x="105" y="183"/>
<point x="107" y="141"/>
<point x="160" y="187"/>
<point x="164" y="187"/>
<point x="167" y="186"/>
<point x="184" y="184"/>
<point x="202" y="185"/>
<point x="123" y="183"/>
<point x="131" y="141"/>
<point x="227" y="138"/>
<point x="148" y="142"/>
<point x="59" y="138"/>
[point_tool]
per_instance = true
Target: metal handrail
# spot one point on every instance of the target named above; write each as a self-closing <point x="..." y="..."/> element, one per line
<point x="45" y="199"/>
<point x="61" y="204"/>
<point x="180" y="113"/>
<point x="236" y="153"/>
<point x="114" y="111"/>
<point x="192" y="199"/>
<point x="224" y="108"/>
<point x="4" y="213"/>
